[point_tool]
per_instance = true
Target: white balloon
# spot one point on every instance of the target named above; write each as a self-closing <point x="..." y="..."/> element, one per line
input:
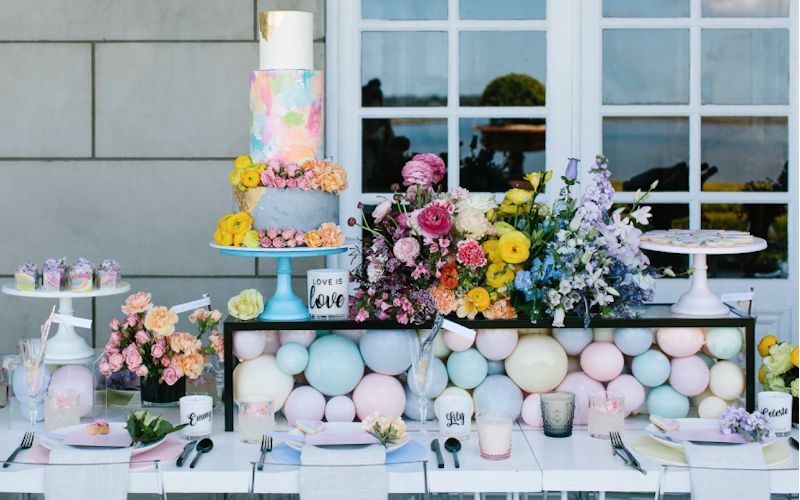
<point x="261" y="378"/>
<point x="248" y="344"/>
<point x="573" y="340"/>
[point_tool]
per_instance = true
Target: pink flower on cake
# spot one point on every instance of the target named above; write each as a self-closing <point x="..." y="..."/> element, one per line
<point x="290" y="183"/>
<point x="170" y="376"/>
<point x="272" y="232"/>
<point x="278" y="242"/>
<point x="158" y="349"/>
<point x="292" y="169"/>
<point x="303" y="183"/>
<point x="132" y="356"/>
<point x="417" y="173"/>
<point x="161" y="321"/>
<point x="142" y="337"/>
<point x="266" y="242"/>
<point x="382" y="210"/>
<point x="287" y="233"/>
<point x="280" y="182"/>
<point x="433" y="221"/>
<point x="299" y="238"/>
<point x="139" y="302"/>
<point x="331" y="235"/>
<point x="406" y="249"/>
<point x="470" y="254"/>
<point x="435" y="162"/>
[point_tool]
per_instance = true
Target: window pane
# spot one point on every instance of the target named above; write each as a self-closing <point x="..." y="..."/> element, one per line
<point x="767" y="221"/>
<point x="495" y="151"/>
<point x="745" y="8"/>
<point x="665" y="216"/>
<point x="642" y="150"/>
<point x="387" y="143"/>
<point x="520" y="57"/>
<point x="503" y="9"/>
<point x="645" y="66"/>
<point x="745" y="66"/>
<point x="651" y="8"/>
<point x="404" y="68"/>
<point x="404" y="10"/>
<point x="745" y="153"/>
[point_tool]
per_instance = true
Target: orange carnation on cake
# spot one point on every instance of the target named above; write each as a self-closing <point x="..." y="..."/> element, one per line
<point x="331" y="235"/>
<point x="313" y="239"/>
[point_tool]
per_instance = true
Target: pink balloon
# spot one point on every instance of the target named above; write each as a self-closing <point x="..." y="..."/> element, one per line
<point x="631" y="389"/>
<point x="456" y="342"/>
<point x="77" y="378"/>
<point x="304" y="403"/>
<point x="689" y="375"/>
<point x="602" y="361"/>
<point x="496" y="343"/>
<point x="273" y="342"/>
<point x="582" y="386"/>
<point x="248" y="344"/>
<point x="302" y="337"/>
<point x="381" y="394"/>
<point x="532" y="411"/>
<point x="680" y="342"/>
<point x="340" y="409"/>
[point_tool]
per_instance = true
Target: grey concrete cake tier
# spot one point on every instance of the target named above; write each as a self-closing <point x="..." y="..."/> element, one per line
<point x="291" y="207"/>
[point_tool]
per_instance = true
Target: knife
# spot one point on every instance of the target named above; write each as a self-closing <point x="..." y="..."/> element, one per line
<point x="185" y="453"/>
<point x="793" y="442"/>
<point x="438" y="450"/>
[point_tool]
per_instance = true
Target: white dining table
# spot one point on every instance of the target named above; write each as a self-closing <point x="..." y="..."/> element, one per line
<point x="538" y="463"/>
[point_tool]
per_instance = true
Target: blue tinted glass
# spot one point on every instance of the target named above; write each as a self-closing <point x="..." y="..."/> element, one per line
<point x="645" y="8"/>
<point x="404" y="9"/>
<point x="503" y="9"/>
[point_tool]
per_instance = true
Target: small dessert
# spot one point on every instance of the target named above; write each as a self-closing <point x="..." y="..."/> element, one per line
<point x="310" y="428"/>
<point x="26" y="276"/>
<point x="53" y="274"/>
<point x="719" y="243"/>
<point x="665" y="424"/>
<point x="81" y="276"/>
<point x="99" y="426"/>
<point x="109" y="274"/>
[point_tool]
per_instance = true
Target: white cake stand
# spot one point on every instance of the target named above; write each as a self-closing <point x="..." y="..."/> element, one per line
<point x="699" y="300"/>
<point x="66" y="346"/>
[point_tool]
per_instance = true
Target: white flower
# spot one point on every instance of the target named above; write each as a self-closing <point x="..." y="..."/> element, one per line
<point x="564" y="287"/>
<point x="374" y="272"/>
<point x="473" y="223"/>
<point x="481" y="202"/>
<point x="558" y="318"/>
<point x="642" y="215"/>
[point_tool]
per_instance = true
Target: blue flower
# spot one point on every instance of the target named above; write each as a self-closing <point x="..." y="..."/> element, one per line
<point x="572" y="169"/>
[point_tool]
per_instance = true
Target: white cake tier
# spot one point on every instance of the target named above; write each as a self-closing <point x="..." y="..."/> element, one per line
<point x="285" y="40"/>
<point x="291" y="207"/>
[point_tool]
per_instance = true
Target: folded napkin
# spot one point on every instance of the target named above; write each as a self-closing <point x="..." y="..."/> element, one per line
<point x="726" y="471"/>
<point x="355" y="473"/>
<point x="92" y="482"/>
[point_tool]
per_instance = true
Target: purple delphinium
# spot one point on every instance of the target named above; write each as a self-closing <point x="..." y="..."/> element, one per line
<point x="752" y="426"/>
<point x="123" y="379"/>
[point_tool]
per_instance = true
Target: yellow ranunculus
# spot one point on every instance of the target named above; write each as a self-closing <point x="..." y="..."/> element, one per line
<point x="222" y="220"/>
<point x="514" y="247"/>
<point x="251" y="239"/>
<point x="502" y="228"/>
<point x="498" y="275"/>
<point x="235" y="177"/>
<point x="238" y="239"/>
<point x="765" y="343"/>
<point x="480" y="298"/>
<point x="242" y="162"/>
<point x="490" y="249"/>
<point x="518" y="196"/>
<point x="508" y="208"/>
<point x="238" y="223"/>
<point x="246" y="305"/>
<point x="795" y="356"/>
<point x="535" y="178"/>
<point x="223" y="238"/>
<point x="250" y="178"/>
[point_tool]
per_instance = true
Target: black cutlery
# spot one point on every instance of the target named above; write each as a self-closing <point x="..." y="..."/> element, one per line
<point x="185" y="453"/>
<point x="266" y="447"/>
<point x="793" y="442"/>
<point x="204" y="446"/>
<point x="27" y="442"/>
<point x="438" y="450"/>
<point x="617" y="444"/>
<point x="453" y="445"/>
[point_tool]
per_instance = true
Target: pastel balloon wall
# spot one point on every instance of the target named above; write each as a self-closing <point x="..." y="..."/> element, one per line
<point x="349" y="374"/>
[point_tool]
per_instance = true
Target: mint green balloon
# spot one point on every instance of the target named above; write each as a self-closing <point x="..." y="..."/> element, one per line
<point x="666" y="402"/>
<point x="467" y="369"/>
<point x="292" y="358"/>
<point x="334" y="365"/>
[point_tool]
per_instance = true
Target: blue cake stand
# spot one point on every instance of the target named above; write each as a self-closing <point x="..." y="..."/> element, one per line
<point x="284" y="305"/>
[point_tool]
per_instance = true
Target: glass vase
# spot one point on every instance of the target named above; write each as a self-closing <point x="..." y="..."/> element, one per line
<point x="210" y="382"/>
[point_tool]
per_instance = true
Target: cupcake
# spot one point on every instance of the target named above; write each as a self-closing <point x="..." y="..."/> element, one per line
<point x="26" y="276"/>
<point x="81" y="276"/>
<point x="109" y="274"/>
<point x="53" y="274"/>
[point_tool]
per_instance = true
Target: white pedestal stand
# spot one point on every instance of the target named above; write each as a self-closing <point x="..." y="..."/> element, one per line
<point x="66" y="346"/>
<point x="699" y="300"/>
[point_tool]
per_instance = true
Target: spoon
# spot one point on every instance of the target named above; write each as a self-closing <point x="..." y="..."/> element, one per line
<point x="204" y="446"/>
<point x="453" y="445"/>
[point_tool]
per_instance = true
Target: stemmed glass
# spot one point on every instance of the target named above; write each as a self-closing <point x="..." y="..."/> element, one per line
<point x="422" y="367"/>
<point x="32" y="354"/>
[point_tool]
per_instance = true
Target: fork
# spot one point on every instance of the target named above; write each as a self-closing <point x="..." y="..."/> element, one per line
<point x="618" y="445"/>
<point x="266" y="447"/>
<point x="27" y="442"/>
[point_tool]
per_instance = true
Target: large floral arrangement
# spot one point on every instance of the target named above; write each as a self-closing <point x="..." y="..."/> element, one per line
<point x="312" y="174"/>
<point x="145" y="342"/>
<point x="779" y="366"/>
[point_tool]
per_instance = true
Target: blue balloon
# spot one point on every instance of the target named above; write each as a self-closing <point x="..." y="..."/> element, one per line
<point x="387" y="351"/>
<point x="724" y="342"/>
<point x="497" y="367"/>
<point x="666" y="402"/>
<point x="651" y="368"/>
<point x="292" y="358"/>
<point x="334" y="365"/>
<point x="498" y="394"/>
<point x="467" y="369"/>
<point x="438" y="381"/>
<point x="412" y="406"/>
<point x="633" y="341"/>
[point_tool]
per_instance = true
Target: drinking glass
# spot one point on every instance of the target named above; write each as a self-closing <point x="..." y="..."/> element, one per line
<point x="606" y="414"/>
<point x="422" y="373"/>
<point x="32" y="354"/>
<point x="558" y="410"/>
<point x="61" y="409"/>
<point x="494" y="435"/>
<point x="256" y="418"/>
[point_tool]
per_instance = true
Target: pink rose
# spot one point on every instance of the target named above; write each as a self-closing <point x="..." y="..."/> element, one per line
<point x="115" y="338"/>
<point x="115" y="361"/>
<point x="290" y="243"/>
<point x="158" y="349"/>
<point x="272" y="233"/>
<point x="132" y="357"/>
<point x="288" y="233"/>
<point x="141" y="371"/>
<point x="299" y="237"/>
<point x="382" y="210"/>
<point x="166" y="361"/>
<point x="417" y="173"/>
<point x="170" y="376"/>
<point x="141" y="337"/>
<point x="406" y="249"/>
<point x="114" y="325"/>
<point x="280" y="183"/>
<point x="434" y="221"/>
<point x="303" y="183"/>
<point x="105" y="368"/>
<point x="278" y="242"/>
<point x="291" y="183"/>
<point x="435" y="162"/>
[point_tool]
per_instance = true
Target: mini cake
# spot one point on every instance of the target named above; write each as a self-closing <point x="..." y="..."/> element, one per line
<point x="109" y="274"/>
<point x="665" y="424"/>
<point x="310" y="428"/>
<point x="81" y="276"/>
<point x="26" y="276"/>
<point x="99" y="426"/>
<point x="53" y="274"/>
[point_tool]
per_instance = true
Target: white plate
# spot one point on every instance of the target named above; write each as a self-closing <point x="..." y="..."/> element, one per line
<point x="339" y="427"/>
<point x="690" y="423"/>
<point x="114" y="427"/>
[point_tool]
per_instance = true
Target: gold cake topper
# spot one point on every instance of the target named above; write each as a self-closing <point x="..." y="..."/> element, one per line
<point x="268" y="22"/>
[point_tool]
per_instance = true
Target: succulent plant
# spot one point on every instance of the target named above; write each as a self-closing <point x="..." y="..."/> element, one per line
<point x="145" y="428"/>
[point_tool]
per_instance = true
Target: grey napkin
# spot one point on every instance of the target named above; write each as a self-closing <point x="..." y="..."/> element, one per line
<point x="108" y="481"/>
<point x="726" y="471"/>
<point x="354" y="472"/>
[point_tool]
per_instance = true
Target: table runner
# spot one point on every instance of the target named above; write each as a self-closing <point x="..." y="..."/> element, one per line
<point x="355" y="473"/>
<point x="724" y="471"/>
<point x="96" y="482"/>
